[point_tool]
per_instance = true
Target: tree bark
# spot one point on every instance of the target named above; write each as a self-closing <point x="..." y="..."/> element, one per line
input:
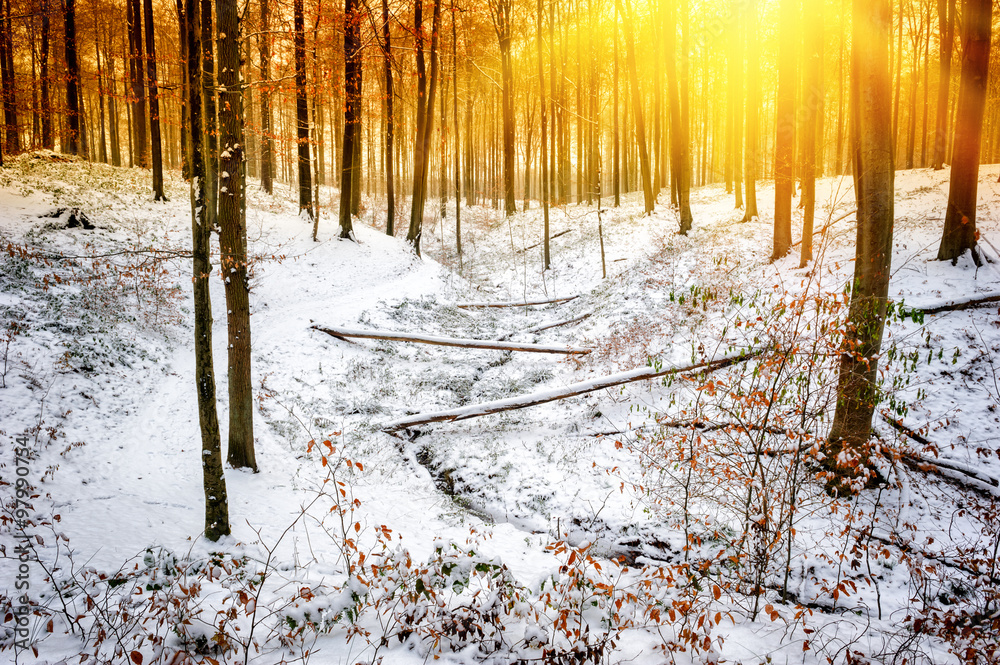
<point x="752" y="110"/>
<point x="138" y="91"/>
<point x="13" y="135"/>
<point x="640" y="128"/>
<point x="811" y="134"/>
<point x="208" y="114"/>
<point x="390" y="126"/>
<point x="302" y="115"/>
<point x="871" y="116"/>
<point x="784" y="139"/>
<point x="154" y="104"/>
<point x="546" y="257"/>
<point x="960" y="231"/>
<point x="233" y="236"/>
<point x="72" y="80"/>
<point x="214" y="480"/>
<point x="267" y="165"/>
<point x="500" y="12"/>
<point x="352" y="113"/>
<point x="946" y="21"/>
<point x="425" y="118"/>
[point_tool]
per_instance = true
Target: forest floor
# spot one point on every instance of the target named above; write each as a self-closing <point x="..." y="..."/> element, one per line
<point x="671" y="520"/>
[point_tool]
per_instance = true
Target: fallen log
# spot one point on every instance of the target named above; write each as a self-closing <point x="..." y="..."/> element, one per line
<point x="561" y="233"/>
<point x="476" y="305"/>
<point x="546" y="326"/>
<point x="344" y="333"/>
<point x="957" y="304"/>
<point x="572" y="390"/>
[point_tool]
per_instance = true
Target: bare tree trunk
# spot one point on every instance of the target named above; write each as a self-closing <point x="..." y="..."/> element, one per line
<point x="352" y="113"/>
<point x="500" y="12"/>
<point x="154" y="104"/>
<point x="302" y="116"/>
<point x="640" y="128"/>
<point x="546" y="257"/>
<point x="390" y="126"/>
<point x="753" y="109"/>
<point x="72" y="81"/>
<point x="946" y="21"/>
<point x="48" y="140"/>
<point x="960" y="231"/>
<point x="208" y="116"/>
<point x="425" y="118"/>
<point x="811" y="135"/>
<point x="616" y="151"/>
<point x="267" y="165"/>
<point x="13" y="136"/>
<point x="736" y="57"/>
<point x="784" y="140"/>
<point x="871" y="116"/>
<point x="458" y="141"/>
<point x="216" y="500"/>
<point x="233" y="236"/>
<point x="138" y="91"/>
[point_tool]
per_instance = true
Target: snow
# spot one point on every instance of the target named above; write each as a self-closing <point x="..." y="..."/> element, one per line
<point x="103" y="382"/>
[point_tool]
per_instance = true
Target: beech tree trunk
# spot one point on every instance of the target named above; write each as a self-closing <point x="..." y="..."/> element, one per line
<point x="544" y="156"/>
<point x="352" y="114"/>
<point x="960" y="231"/>
<point x="72" y="81"/>
<point x="13" y="135"/>
<point x="872" y="146"/>
<point x="302" y="115"/>
<point x="267" y="166"/>
<point x="784" y="140"/>
<point x="811" y="133"/>
<point x="233" y="236"/>
<point x="640" y="128"/>
<point x="946" y="21"/>
<point x="154" y="104"/>
<point x="214" y="480"/>
<point x="426" y="90"/>
<point x="390" y="127"/>
<point x="138" y="92"/>
<point x="752" y="110"/>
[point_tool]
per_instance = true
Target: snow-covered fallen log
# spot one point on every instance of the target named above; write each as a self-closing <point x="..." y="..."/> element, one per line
<point x="514" y="303"/>
<point x="958" y="304"/>
<point x="344" y="333"/>
<point x="572" y="390"/>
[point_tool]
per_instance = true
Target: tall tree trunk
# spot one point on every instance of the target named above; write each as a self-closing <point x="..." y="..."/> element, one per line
<point x="784" y="139"/>
<point x="216" y="500"/>
<point x="48" y="140"/>
<point x="736" y="57"/>
<point x="13" y="136"/>
<point x="426" y="90"/>
<point x="500" y="11"/>
<point x="72" y="81"/>
<point x="458" y="141"/>
<point x="352" y="113"/>
<point x="109" y="64"/>
<point x="871" y="117"/>
<point x="960" y="231"/>
<point x="946" y="21"/>
<point x="302" y="120"/>
<point x="616" y="150"/>
<point x="103" y="148"/>
<point x="138" y="84"/>
<point x="154" y="104"/>
<point x="684" y="167"/>
<point x="267" y="165"/>
<point x="546" y="256"/>
<point x="208" y="115"/>
<point x="752" y="109"/>
<point x="811" y="134"/>
<point x="233" y="236"/>
<point x="182" y="23"/>
<point x="390" y="125"/>
<point x="640" y="128"/>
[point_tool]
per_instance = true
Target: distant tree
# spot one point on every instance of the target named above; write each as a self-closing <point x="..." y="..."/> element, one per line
<point x="960" y="231"/>
<point x="752" y="109"/>
<point x="267" y="165"/>
<point x="784" y="139"/>
<point x="544" y="157"/>
<point x="390" y="126"/>
<point x="811" y="130"/>
<point x="501" y="13"/>
<point x="352" y="113"/>
<point x="640" y="128"/>
<point x="233" y="235"/>
<point x="946" y="23"/>
<point x="214" y="480"/>
<point x="680" y="150"/>
<point x="72" y="81"/>
<point x="426" y="90"/>
<point x="302" y="112"/>
<point x="154" y="104"/>
<point x="871" y="117"/>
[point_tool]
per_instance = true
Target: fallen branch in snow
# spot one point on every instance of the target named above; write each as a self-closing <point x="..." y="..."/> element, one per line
<point x="561" y="233"/>
<point x="823" y="230"/>
<point x="572" y="390"/>
<point x="473" y="305"/>
<point x="958" y="304"/>
<point x="344" y="333"/>
<point x="963" y="473"/>
<point x="546" y="326"/>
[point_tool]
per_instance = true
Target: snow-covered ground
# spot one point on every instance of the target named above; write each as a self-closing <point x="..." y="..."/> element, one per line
<point x="487" y="539"/>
